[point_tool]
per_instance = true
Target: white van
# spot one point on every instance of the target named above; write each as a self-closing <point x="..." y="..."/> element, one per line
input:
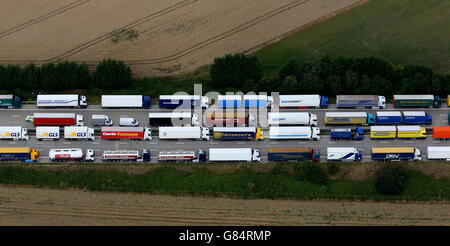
<point x="128" y="122"/>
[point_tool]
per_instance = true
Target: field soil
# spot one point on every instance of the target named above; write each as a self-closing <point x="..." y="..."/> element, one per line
<point x="42" y="206"/>
<point x="155" y="37"/>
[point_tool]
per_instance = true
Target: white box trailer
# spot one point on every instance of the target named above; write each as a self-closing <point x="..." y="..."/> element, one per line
<point x="303" y="101"/>
<point x="13" y="133"/>
<point x="292" y="118"/>
<point x="292" y="132"/>
<point x="69" y="100"/>
<point x="180" y="132"/>
<point x="79" y="133"/>
<point x="125" y="101"/>
<point x="234" y="154"/>
<point x="343" y="154"/>
<point x="47" y="132"/>
<point x="438" y="153"/>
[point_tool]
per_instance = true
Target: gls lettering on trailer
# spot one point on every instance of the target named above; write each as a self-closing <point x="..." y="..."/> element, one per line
<point x="392" y="156"/>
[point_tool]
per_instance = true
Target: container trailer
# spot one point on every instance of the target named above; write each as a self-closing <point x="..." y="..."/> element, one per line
<point x="13" y="133"/>
<point x="303" y="101"/>
<point x="25" y="154"/>
<point x="62" y="100"/>
<point x="183" y="101"/>
<point x="229" y="119"/>
<point x="71" y="154"/>
<point x="441" y="132"/>
<point x="293" y="154"/>
<point x="173" y="119"/>
<point x="438" y="153"/>
<point x="423" y="101"/>
<point x="416" y="132"/>
<point x="237" y="133"/>
<point x="126" y="155"/>
<point x="396" y="154"/>
<point x="101" y="120"/>
<point x="10" y="101"/>
<point x="229" y="101"/>
<point x="343" y="154"/>
<point x="360" y="101"/>
<point x="79" y="133"/>
<point x="388" y="118"/>
<point x="383" y="132"/>
<point x="125" y="101"/>
<point x="182" y="156"/>
<point x="292" y="118"/>
<point x="291" y="132"/>
<point x="177" y="132"/>
<point x="234" y="154"/>
<point x="132" y="133"/>
<point x="341" y="133"/>
<point x="57" y="119"/>
<point x="258" y="101"/>
<point x="47" y="132"/>
<point x="349" y="118"/>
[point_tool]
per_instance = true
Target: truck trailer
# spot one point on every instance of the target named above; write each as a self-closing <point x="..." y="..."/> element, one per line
<point x="126" y="155"/>
<point x="417" y="101"/>
<point x="59" y="101"/>
<point x="343" y="154"/>
<point x="293" y="154"/>
<point x="10" y="101"/>
<point x="349" y="118"/>
<point x="229" y="101"/>
<point x="71" y="154"/>
<point x="438" y="153"/>
<point x="292" y="118"/>
<point x="383" y="132"/>
<point x="25" y="154"/>
<point x="229" y="119"/>
<point x="292" y="132"/>
<point x="392" y="132"/>
<point x="237" y="133"/>
<point x="101" y="120"/>
<point x="341" y="133"/>
<point x="258" y="101"/>
<point x="360" y="101"/>
<point x="183" y="101"/>
<point x="416" y="118"/>
<point x="182" y="156"/>
<point x="388" y="118"/>
<point x="178" y="132"/>
<point x="441" y="132"/>
<point x="234" y="154"/>
<point x="13" y="133"/>
<point x="303" y="101"/>
<point x="47" y="132"/>
<point x="79" y="133"/>
<point x="173" y="119"/>
<point x="132" y="133"/>
<point x="125" y="101"/>
<point x="396" y="154"/>
<point x="57" y="119"/>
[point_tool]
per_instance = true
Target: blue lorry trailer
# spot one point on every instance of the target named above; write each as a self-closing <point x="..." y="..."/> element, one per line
<point x="388" y="118"/>
<point x="229" y="101"/>
<point x="396" y="154"/>
<point x="416" y="118"/>
<point x="345" y="133"/>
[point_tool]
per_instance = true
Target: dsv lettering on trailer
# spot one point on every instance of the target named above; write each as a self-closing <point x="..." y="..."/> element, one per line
<point x="392" y="156"/>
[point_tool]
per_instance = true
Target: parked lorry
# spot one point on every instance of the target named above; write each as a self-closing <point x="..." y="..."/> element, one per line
<point x="25" y="154"/>
<point x="126" y="155"/>
<point x="132" y="133"/>
<point x="391" y="132"/>
<point x="396" y="154"/>
<point x="438" y="153"/>
<point x="101" y="120"/>
<point x="79" y="133"/>
<point x="13" y="133"/>
<point x="229" y="101"/>
<point x="360" y="101"/>
<point x="10" y="101"/>
<point x="416" y="118"/>
<point x="183" y="101"/>
<point x="292" y="118"/>
<point x="293" y="154"/>
<point x="182" y="156"/>
<point x="183" y="132"/>
<point x="341" y="133"/>
<point x="383" y="132"/>
<point x="71" y="154"/>
<point x="258" y="101"/>
<point x="343" y="154"/>
<point x="173" y="119"/>
<point x="303" y="101"/>
<point x="349" y="118"/>
<point x="292" y="132"/>
<point x="423" y="101"/>
<point x="237" y="133"/>
<point x="388" y="118"/>
<point x="57" y="119"/>
<point x="47" y="132"/>
<point x="125" y="101"/>
<point x="441" y="132"/>
<point x="59" y="101"/>
<point x="229" y="119"/>
<point x="234" y="154"/>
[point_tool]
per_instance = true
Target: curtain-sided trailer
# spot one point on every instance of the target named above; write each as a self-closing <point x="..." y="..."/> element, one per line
<point x="392" y="132"/>
<point x="237" y="133"/>
<point x="349" y="118"/>
<point x="441" y="132"/>
<point x="360" y="101"/>
<point x="132" y="133"/>
<point x="57" y="119"/>
<point x="62" y="100"/>
<point x="417" y="101"/>
<point x="25" y="154"/>
<point x="344" y="133"/>
<point x="396" y="154"/>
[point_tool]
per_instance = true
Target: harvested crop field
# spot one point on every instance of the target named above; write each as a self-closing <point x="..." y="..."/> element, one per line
<point x="154" y="37"/>
<point x="41" y="206"/>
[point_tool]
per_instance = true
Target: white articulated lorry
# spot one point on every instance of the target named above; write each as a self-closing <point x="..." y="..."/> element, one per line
<point x="292" y="118"/>
<point x="125" y="101"/>
<point x="13" y="133"/>
<point x="438" y="153"/>
<point x="79" y="133"/>
<point x="292" y="132"/>
<point x="59" y="101"/>
<point x="343" y="154"/>
<point x="71" y="154"/>
<point x="234" y="154"/>
<point x="47" y="132"/>
<point x="178" y="132"/>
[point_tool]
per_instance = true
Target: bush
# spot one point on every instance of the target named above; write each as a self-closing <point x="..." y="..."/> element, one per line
<point x="390" y="182"/>
<point x="333" y="168"/>
<point x="311" y="172"/>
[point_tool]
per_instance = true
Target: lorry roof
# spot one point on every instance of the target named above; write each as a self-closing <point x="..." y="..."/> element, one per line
<point x="392" y="149"/>
<point x="125" y="129"/>
<point x="170" y="115"/>
<point x="345" y="114"/>
<point x="289" y="150"/>
<point x="383" y="128"/>
<point x="341" y="149"/>
<point x="414" y="113"/>
<point x="6" y="96"/>
<point x="226" y="114"/>
<point x="178" y="97"/>
<point x="440" y="148"/>
<point x="15" y="149"/>
<point x="341" y="129"/>
<point x="54" y="115"/>
<point x="403" y="97"/>
<point x="389" y="113"/>
<point x="409" y="128"/>
<point x="234" y="129"/>
<point x="353" y="97"/>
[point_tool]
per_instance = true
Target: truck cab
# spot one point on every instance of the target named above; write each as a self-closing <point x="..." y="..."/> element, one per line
<point x="90" y="155"/>
<point x="358" y="156"/>
<point x="437" y="102"/>
<point x="417" y="155"/>
<point x="195" y="120"/>
<point x="147" y="134"/>
<point x="315" y="135"/>
<point x="205" y="133"/>
<point x="358" y="134"/>
<point x="34" y="155"/>
<point x="315" y="155"/>
<point x="381" y="102"/>
<point x="259" y="134"/>
<point x="145" y="155"/>
<point x="204" y="102"/>
<point x="313" y="120"/>
<point x="428" y="119"/>
<point x="323" y="102"/>
<point x="25" y="134"/>
<point x="256" y="157"/>
<point x="83" y="101"/>
<point x="80" y="120"/>
<point x="201" y="157"/>
<point x="17" y="102"/>
<point x="370" y="119"/>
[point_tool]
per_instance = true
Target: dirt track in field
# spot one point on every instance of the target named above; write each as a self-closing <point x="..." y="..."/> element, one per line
<point x="174" y="35"/>
<point x="41" y="206"/>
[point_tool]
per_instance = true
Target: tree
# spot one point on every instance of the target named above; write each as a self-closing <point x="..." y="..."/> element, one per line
<point x="111" y="74"/>
<point x="291" y="69"/>
<point x="289" y="85"/>
<point x="390" y="182"/>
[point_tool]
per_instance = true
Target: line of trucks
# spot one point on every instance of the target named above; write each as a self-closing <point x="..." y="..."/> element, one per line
<point x="227" y="101"/>
<point x="380" y="118"/>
